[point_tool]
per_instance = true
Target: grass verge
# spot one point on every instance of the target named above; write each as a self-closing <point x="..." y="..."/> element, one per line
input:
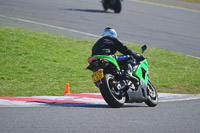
<point x="196" y="1"/>
<point x="34" y="63"/>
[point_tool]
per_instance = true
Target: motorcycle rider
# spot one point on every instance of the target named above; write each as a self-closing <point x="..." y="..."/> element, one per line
<point x="109" y="45"/>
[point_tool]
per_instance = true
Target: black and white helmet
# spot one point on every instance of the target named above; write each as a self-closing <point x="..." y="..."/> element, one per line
<point x="109" y="32"/>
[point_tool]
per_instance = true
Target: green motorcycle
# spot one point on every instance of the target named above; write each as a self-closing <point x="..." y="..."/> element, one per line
<point x="117" y="91"/>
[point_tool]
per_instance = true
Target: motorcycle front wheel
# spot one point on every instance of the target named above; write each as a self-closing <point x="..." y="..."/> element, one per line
<point x="105" y="5"/>
<point x="110" y="93"/>
<point x="152" y="95"/>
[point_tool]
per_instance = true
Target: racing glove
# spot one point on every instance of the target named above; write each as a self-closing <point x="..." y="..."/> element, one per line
<point x="139" y="57"/>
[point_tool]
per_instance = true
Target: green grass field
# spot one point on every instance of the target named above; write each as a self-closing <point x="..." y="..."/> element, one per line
<point x="196" y="1"/>
<point x="34" y="63"/>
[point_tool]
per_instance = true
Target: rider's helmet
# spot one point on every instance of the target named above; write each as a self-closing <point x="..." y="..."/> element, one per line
<point x="109" y="32"/>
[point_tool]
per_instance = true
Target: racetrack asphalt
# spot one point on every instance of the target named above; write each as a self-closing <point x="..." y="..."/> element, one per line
<point x="83" y="99"/>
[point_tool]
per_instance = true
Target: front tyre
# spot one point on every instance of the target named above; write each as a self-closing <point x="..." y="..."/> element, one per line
<point x="110" y="93"/>
<point x="105" y="5"/>
<point x="152" y="95"/>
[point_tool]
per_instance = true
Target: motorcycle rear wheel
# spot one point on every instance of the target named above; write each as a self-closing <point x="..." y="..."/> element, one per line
<point x="110" y="93"/>
<point x="152" y="95"/>
<point x="118" y="6"/>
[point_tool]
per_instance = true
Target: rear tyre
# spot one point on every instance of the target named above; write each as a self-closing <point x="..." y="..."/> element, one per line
<point x="110" y="93"/>
<point x="152" y="95"/>
<point x="118" y="6"/>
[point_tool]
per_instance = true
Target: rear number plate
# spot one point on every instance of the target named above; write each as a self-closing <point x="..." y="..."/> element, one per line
<point x="98" y="75"/>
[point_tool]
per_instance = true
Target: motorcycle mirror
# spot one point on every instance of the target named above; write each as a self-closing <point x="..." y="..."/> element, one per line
<point x="143" y="48"/>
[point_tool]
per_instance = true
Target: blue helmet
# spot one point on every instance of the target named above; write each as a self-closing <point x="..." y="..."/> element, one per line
<point x="109" y="32"/>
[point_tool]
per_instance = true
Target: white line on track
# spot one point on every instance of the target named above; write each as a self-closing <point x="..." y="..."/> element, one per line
<point x="180" y="99"/>
<point x="48" y="25"/>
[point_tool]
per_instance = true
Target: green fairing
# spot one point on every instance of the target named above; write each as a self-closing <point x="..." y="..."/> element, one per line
<point x="108" y="58"/>
<point x="143" y="75"/>
<point x="138" y="72"/>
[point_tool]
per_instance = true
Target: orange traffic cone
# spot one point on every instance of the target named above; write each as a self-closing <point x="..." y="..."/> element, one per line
<point x="67" y="90"/>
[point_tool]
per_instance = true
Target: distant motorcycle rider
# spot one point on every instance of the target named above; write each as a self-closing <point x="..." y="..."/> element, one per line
<point x="109" y="45"/>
